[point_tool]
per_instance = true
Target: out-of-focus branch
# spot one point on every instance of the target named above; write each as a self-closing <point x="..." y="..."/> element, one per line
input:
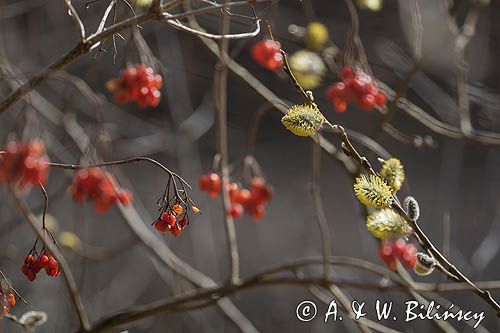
<point x="461" y="42"/>
<point x="326" y="247"/>
<point x="156" y="247"/>
<point x="437" y="126"/>
<point x="270" y="277"/>
<point x="48" y="243"/>
<point x="220" y="108"/>
<point x="92" y="41"/>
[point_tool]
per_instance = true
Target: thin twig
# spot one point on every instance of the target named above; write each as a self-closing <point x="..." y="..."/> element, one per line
<point x="76" y="18"/>
<point x="93" y="40"/>
<point x="48" y="243"/>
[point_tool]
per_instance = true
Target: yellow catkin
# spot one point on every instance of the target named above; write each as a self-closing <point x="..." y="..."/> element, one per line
<point x="372" y="191"/>
<point x="308" y="68"/>
<point x="316" y="35"/>
<point x="386" y="224"/>
<point x="303" y="119"/>
<point x="393" y="173"/>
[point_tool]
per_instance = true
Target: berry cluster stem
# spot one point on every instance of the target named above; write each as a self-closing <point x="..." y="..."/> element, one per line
<point x="52" y="248"/>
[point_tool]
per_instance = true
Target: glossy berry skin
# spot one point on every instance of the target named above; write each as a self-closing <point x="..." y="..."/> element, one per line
<point x="24" y="163"/>
<point x="168" y="222"/>
<point x="356" y="86"/>
<point x="139" y="84"/>
<point x="267" y="54"/>
<point x="99" y="187"/>
<point x="34" y="263"/>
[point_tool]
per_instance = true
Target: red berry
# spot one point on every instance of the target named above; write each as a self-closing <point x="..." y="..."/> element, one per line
<point x="11" y="299"/>
<point x="409" y="256"/>
<point x="240" y="196"/>
<point x="125" y="198"/>
<point x="176" y="230"/>
<point x="347" y="72"/>
<point x="267" y="54"/>
<point x="380" y="99"/>
<point x="204" y="182"/>
<point x="43" y="260"/>
<point x="398" y="248"/>
<point x="340" y="105"/>
<point x="336" y="90"/>
<point x="367" y="102"/>
<point x="236" y="210"/>
<point x="386" y="252"/>
<point x="31" y="275"/>
<point x="183" y="222"/>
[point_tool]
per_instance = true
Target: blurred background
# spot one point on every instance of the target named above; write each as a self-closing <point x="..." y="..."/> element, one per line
<point x="455" y="180"/>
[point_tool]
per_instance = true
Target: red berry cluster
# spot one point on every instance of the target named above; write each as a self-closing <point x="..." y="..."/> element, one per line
<point x="252" y="200"/>
<point x="137" y="84"/>
<point x="100" y="187"/>
<point x="267" y="53"/>
<point x="357" y="86"/>
<point x="34" y="263"/>
<point x="24" y="163"/>
<point x="170" y="221"/>
<point x="8" y="301"/>
<point x="210" y="183"/>
<point x="390" y="251"/>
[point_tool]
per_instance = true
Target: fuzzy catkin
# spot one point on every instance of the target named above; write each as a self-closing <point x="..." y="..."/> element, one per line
<point x="411" y="207"/>
<point x="372" y="191"/>
<point x="387" y="224"/>
<point x="303" y="119"/>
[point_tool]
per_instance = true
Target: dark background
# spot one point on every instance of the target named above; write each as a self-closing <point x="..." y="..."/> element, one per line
<point x="459" y="177"/>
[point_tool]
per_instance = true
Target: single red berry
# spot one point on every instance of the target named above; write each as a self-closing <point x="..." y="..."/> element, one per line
<point x="204" y="182"/>
<point x="386" y="252"/>
<point x="336" y="90"/>
<point x="380" y="99"/>
<point x="236" y="211"/>
<point x="43" y="260"/>
<point x="240" y="196"/>
<point x="11" y="299"/>
<point x="339" y="105"/>
<point x="161" y="226"/>
<point x="367" y="102"/>
<point x="31" y="275"/>
<point x="398" y="248"/>
<point x="176" y="230"/>
<point x="409" y="256"/>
